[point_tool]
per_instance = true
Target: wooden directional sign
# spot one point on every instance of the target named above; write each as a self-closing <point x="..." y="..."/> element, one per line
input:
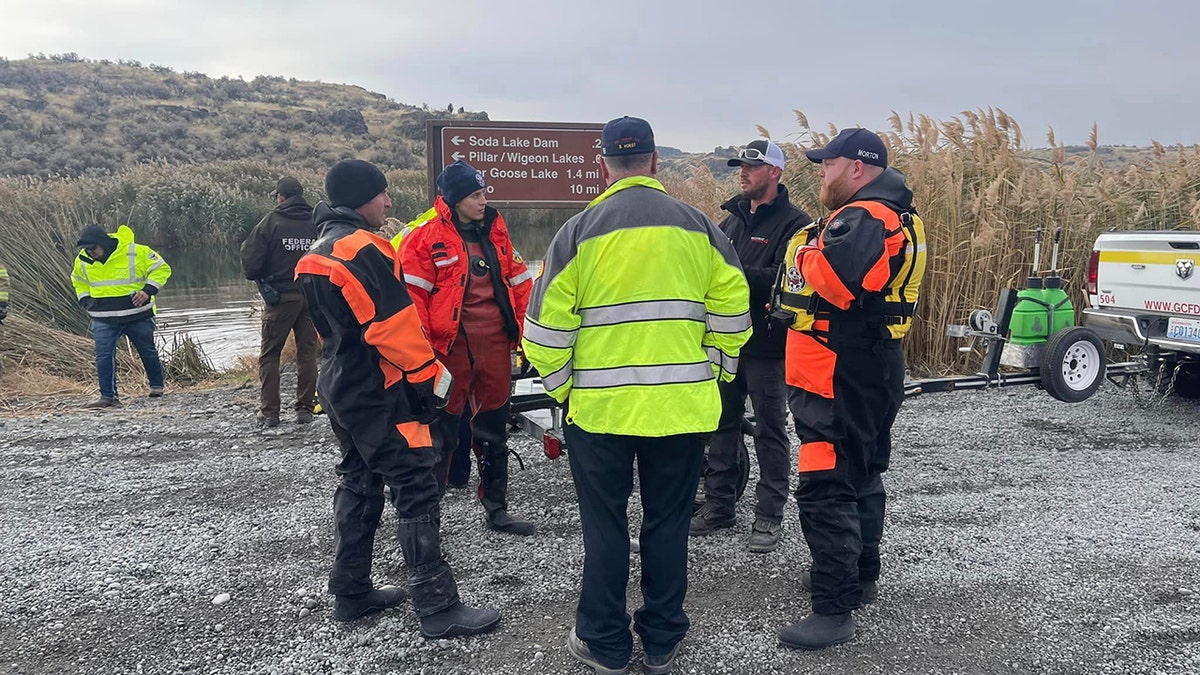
<point x="525" y="164"/>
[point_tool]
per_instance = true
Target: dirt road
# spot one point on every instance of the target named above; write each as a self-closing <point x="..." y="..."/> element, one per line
<point x="1023" y="535"/>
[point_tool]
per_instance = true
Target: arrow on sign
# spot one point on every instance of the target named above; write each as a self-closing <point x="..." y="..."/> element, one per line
<point x="457" y="140"/>
<point x="458" y="156"/>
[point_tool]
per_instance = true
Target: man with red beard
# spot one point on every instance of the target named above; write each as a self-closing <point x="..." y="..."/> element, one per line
<point x="852" y="283"/>
<point x="761" y="221"/>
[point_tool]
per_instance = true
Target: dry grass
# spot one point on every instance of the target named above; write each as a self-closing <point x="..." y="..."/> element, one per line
<point x="982" y="199"/>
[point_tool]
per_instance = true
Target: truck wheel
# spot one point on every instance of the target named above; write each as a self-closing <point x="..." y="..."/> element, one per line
<point x="1187" y="383"/>
<point x="1073" y="365"/>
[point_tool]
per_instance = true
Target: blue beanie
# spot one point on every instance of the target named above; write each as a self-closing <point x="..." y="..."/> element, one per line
<point x="458" y="181"/>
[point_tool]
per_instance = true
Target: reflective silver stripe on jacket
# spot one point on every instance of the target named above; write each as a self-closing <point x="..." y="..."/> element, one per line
<point x="549" y="337"/>
<point x="418" y="282"/>
<point x="558" y="378"/>
<point x="651" y="310"/>
<point x="148" y="307"/>
<point x="675" y="373"/>
<point x="518" y="279"/>
<point x="722" y="360"/>
<point x="727" y="324"/>
<point x="447" y="261"/>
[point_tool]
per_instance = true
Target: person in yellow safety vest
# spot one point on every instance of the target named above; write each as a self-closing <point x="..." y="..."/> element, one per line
<point x="3" y="303"/>
<point x="116" y="280"/>
<point x="641" y="308"/>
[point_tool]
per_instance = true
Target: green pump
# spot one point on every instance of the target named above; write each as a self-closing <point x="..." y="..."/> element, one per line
<point x="1043" y="308"/>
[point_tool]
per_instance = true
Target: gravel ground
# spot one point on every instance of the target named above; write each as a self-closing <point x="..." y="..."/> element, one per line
<point x="1023" y="535"/>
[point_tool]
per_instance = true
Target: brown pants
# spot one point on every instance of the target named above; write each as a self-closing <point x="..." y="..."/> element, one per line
<point x="289" y="315"/>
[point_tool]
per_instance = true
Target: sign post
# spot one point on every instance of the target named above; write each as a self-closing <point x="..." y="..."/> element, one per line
<point x="534" y="165"/>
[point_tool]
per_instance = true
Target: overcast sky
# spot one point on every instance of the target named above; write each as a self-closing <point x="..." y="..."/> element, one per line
<point x="703" y="73"/>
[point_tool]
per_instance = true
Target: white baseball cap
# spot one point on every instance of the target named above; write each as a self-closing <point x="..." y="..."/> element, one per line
<point x="757" y="153"/>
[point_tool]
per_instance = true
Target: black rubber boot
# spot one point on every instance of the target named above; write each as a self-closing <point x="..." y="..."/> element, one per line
<point x="818" y="631"/>
<point x="431" y="583"/>
<point x="351" y="607"/>
<point x="493" y="491"/>
<point x="458" y="620"/>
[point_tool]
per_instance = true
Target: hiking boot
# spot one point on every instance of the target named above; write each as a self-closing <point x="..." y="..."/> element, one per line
<point x="268" y="421"/>
<point x="663" y="664"/>
<point x="870" y="589"/>
<point x="818" y="631"/>
<point x="156" y="392"/>
<point x="303" y="417"/>
<point x="500" y="521"/>
<point x="764" y="536"/>
<point x="706" y="521"/>
<point x="351" y="607"/>
<point x="103" y="402"/>
<point x="458" y="620"/>
<point x="579" y="649"/>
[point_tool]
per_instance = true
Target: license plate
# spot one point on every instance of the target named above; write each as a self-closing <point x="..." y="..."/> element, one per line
<point x="1187" y="330"/>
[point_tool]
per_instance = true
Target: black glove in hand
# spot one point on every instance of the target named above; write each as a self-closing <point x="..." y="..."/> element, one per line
<point x="431" y="407"/>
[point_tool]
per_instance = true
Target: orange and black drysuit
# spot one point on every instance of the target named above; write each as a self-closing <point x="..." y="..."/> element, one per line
<point x="381" y="387"/>
<point x="471" y="288"/>
<point x="852" y="280"/>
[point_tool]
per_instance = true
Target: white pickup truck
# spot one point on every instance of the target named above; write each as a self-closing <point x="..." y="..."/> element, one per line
<point x="1144" y="293"/>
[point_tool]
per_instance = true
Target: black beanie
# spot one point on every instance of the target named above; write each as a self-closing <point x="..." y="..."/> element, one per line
<point x="353" y="182"/>
<point x="459" y="180"/>
<point x="94" y="235"/>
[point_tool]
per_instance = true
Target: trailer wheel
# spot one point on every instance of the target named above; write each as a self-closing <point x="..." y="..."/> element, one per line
<point x="1073" y="364"/>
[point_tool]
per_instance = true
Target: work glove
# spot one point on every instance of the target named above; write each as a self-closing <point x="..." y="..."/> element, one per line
<point x="433" y="394"/>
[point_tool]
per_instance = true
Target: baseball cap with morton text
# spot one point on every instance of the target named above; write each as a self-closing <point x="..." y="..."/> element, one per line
<point x="853" y="144"/>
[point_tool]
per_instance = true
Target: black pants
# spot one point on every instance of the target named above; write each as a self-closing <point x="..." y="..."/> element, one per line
<point x="763" y="380"/>
<point x="358" y="501"/>
<point x="842" y="507"/>
<point x="602" y="467"/>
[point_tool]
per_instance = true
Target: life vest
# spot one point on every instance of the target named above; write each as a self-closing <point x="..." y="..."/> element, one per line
<point x="796" y="302"/>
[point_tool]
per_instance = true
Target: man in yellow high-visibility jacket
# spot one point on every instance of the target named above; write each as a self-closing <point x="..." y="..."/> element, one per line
<point x="641" y="307"/>
<point x="116" y="280"/>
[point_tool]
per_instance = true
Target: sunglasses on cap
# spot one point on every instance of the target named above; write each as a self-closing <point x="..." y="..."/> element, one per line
<point x="753" y="154"/>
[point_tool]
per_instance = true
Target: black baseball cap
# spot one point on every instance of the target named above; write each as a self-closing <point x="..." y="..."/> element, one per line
<point x="289" y="187"/>
<point x="855" y="143"/>
<point x="626" y="136"/>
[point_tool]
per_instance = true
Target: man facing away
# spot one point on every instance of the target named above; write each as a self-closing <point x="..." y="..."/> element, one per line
<point x="852" y="283"/>
<point x="760" y="223"/>
<point x="471" y="288"/>
<point x="381" y="387"/>
<point x="269" y="257"/>
<point x="115" y="280"/>
<point x="641" y="308"/>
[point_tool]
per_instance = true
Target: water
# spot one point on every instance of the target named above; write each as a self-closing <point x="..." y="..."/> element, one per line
<point x="208" y="300"/>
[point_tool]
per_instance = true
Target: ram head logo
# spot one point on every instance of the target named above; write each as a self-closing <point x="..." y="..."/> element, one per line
<point x="1185" y="268"/>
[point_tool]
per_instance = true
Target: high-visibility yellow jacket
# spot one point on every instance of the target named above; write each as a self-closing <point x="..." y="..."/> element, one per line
<point x="411" y="225"/>
<point x="106" y="288"/>
<point x="3" y="292"/>
<point x="641" y="306"/>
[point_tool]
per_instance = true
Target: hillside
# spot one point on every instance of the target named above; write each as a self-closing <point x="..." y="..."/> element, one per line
<point x="64" y="115"/>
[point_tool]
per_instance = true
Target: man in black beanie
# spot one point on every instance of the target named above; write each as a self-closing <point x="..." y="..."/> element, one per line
<point x="472" y="326"/>
<point x="381" y="387"/>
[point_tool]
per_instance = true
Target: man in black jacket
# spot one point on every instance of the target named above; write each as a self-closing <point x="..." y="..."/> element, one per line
<point x="269" y="257"/>
<point x="761" y="221"/>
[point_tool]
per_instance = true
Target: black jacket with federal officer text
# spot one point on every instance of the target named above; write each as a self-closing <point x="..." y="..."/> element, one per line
<point x="278" y="242"/>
